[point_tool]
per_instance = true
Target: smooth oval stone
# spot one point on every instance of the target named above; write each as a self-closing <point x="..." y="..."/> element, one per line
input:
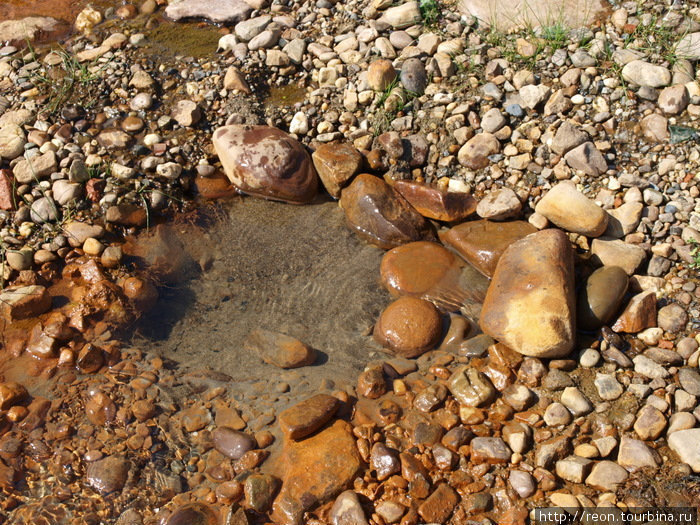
<point x="232" y="443"/>
<point x="483" y="242"/>
<point x="409" y="326"/>
<point x="279" y="349"/>
<point x="308" y="416"/>
<point x="601" y="299"/>
<point x="436" y="203"/>
<point x="193" y="514"/>
<point x="418" y="267"/>
<point x="132" y="124"/>
<point x="378" y="214"/>
<point x="266" y="162"/>
<point x="530" y="304"/>
<point x="572" y="211"/>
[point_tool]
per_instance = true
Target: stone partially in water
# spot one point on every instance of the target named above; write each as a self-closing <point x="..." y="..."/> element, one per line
<point x="601" y="299"/>
<point x="214" y="10"/>
<point x="380" y="215"/>
<point x="436" y="203"/>
<point x="417" y="268"/>
<point x="279" y="349"/>
<point x="308" y="416"/>
<point x="483" y="242"/>
<point x="232" y="443"/>
<point x="530" y="304"/>
<point x="314" y="471"/>
<point x="336" y="164"/>
<point x="27" y="28"/>
<point x="409" y="326"/>
<point x="266" y="162"/>
<point x="193" y="514"/>
<point x="108" y="474"/>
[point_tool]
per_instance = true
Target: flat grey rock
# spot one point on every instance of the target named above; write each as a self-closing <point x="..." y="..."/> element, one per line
<point x="219" y="11"/>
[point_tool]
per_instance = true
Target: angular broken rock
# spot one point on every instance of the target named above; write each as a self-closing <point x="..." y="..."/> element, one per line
<point x="606" y="475"/>
<point x="572" y="211"/>
<point x="314" y="471"/>
<point x="530" y="304"/>
<point x="308" y="416"/>
<point x="279" y="349"/>
<point x="380" y="215"/>
<point x="471" y="387"/>
<point x="638" y="315"/>
<point x="483" y="242"/>
<point x="21" y="302"/>
<point x="336" y="164"/>
<point x="588" y="159"/>
<point x="436" y="203"/>
<point x="266" y="162"/>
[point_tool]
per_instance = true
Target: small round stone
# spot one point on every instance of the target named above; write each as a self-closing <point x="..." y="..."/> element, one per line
<point x="409" y="326"/>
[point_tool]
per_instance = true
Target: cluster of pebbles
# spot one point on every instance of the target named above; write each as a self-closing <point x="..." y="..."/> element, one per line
<point x="567" y="376"/>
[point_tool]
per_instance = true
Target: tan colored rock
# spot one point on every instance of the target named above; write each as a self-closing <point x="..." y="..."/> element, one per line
<point x="474" y="154"/>
<point x="530" y="304"/>
<point x="234" y="79"/>
<point x="21" y="302"/>
<point x="572" y="211"/>
<point x="614" y="252"/>
<point x="266" y="162"/>
<point x="639" y="314"/>
<point x="279" y="349"/>
<point x="380" y="74"/>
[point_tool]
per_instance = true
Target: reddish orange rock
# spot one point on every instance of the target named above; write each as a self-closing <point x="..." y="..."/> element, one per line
<point x="336" y="164"/>
<point x="381" y="216"/>
<point x="483" y="242"/>
<point x="314" y="471"/>
<point x="8" y="198"/>
<point x="418" y="267"/>
<point x="141" y="292"/>
<point x="439" y="505"/>
<point x="308" y="416"/>
<point x="639" y="314"/>
<point x="436" y="203"/>
<point x="409" y="326"/>
<point x="215" y="187"/>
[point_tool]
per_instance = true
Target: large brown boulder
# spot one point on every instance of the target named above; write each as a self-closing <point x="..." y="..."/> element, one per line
<point x="266" y="162"/>
<point x="530" y="304"/>
<point x="380" y="215"/>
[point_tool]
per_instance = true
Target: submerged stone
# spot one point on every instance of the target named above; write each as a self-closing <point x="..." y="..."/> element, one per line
<point x="436" y="203"/>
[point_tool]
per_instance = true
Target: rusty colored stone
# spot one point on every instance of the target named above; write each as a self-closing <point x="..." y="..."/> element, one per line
<point x="483" y="242"/>
<point x="439" y="505"/>
<point x="375" y="212"/>
<point x="308" y="416"/>
<point x="315" y="470"/>
<point x="336" y="164"/>
<point x="8" y="197"/>
<point x="639" y="314"/>
<point x="266" y="162"/>
<point x="436" y="203"/>
<point x="12" y="394"/>
<point x="21" y="302"/>
<point x="409" y="326"/>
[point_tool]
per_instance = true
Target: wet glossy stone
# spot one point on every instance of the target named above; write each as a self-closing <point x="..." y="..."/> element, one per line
<point x="483" y="242"/>
<point x="266" y="162"/>
<point x="417" y="268"/>
<point x="602" y="296"/>
<point x="315" y="470"/>
<point x="279" y="349"/>
<point x="409" y="326"/>
<point x="336" y="164"/>
<point x="347" y="510"/>
<point x="232" y="443"/>
<point x="259" y="490"/>
<point x="193" y="514"/>
<point x="530" y="303"/>
<point x="471" y="387"/>
<point x="439" y="505"/>
<point x="384" y="461"/>
<point x="108" y="475"/>
<point x="378" y="214"/>
<point x="308" y="416"/>
<point x="436" y="203"/>
<point x="11" y="394"/>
